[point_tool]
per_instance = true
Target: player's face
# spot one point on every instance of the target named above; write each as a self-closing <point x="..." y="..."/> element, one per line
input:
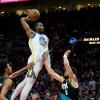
<point x="40" y="27"/>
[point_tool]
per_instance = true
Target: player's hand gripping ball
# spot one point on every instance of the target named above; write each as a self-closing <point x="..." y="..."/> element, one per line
<point x="33" y="14"/>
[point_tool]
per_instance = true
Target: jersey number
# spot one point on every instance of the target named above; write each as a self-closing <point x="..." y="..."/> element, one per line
<point x="65" y="87"/>
<point x="66" y="92"/>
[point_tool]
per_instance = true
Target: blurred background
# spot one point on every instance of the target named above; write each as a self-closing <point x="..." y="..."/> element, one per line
<point x="63" y="20"/>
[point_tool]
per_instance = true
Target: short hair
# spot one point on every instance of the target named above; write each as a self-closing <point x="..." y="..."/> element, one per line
<point x="3" y="66"/>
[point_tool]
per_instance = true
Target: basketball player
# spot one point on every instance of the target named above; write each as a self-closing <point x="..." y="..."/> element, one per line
<point x="69" y="83"/>
<point x="7" y="77"/>
<point x="38" y="44"/>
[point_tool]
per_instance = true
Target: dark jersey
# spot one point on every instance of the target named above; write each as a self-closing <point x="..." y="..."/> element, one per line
<point x="8" y="95"/>
<point x="68" y="92"/>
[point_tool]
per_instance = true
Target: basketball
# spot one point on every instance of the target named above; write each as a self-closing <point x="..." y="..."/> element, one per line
<point x="33" y="14"/>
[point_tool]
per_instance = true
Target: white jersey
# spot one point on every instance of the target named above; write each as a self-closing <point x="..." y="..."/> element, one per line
<point x="38" y="45"/>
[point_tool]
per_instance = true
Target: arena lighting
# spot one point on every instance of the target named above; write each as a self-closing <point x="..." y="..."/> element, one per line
<point x="9" y="1"/>
<point x="2" y="12"/>
<point x="98" y="42"/>
<point x="92" y="6"/>
<point x="91" y="39"/>
<point x="64" y="8"/>
<point x="78" y="7"/>
<point x="89" y="4"/>
<point x="94" y="42"/>
<point x="91" y="42"/>
<point x="59" y="7"/>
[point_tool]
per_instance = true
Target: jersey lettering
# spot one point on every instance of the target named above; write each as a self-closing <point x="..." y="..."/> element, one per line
<point x="65" y="87"/>
<point x="66" y="92"/>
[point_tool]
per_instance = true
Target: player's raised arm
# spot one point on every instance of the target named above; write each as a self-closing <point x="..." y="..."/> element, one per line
<point x="21" y="71"/>
<point x="26" y="27"/>
<point x="68" y="69"/>
<point x="33" y="15"/>
<point x="53" y="74"/>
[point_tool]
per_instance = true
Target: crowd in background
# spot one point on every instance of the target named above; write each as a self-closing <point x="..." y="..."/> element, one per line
<point x="60" y="26"/>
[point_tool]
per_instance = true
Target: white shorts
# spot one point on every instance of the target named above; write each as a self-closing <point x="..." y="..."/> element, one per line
<point x="36" y="68"/>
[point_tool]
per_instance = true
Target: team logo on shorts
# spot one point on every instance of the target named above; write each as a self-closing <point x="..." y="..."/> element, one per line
<point x="31" y="73"/>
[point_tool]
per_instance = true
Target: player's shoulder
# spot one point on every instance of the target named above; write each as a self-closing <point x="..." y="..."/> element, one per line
<point x="44" y="35"/>
<point x="41" y="35"/>
<point x="8" y="80"/>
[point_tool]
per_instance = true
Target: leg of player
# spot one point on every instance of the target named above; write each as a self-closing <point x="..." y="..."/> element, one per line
<point x="27" y="88"/>
<point x="18" y="89"/>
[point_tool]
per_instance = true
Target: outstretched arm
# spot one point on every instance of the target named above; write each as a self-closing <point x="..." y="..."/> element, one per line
<point x="68" y="69"/>
<point x="18" y="73"/>
<point x="53" y="74"/>
<point x="26" y="27"/>
<point x="24" y="21"/>
<point x="21" y="71"/>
